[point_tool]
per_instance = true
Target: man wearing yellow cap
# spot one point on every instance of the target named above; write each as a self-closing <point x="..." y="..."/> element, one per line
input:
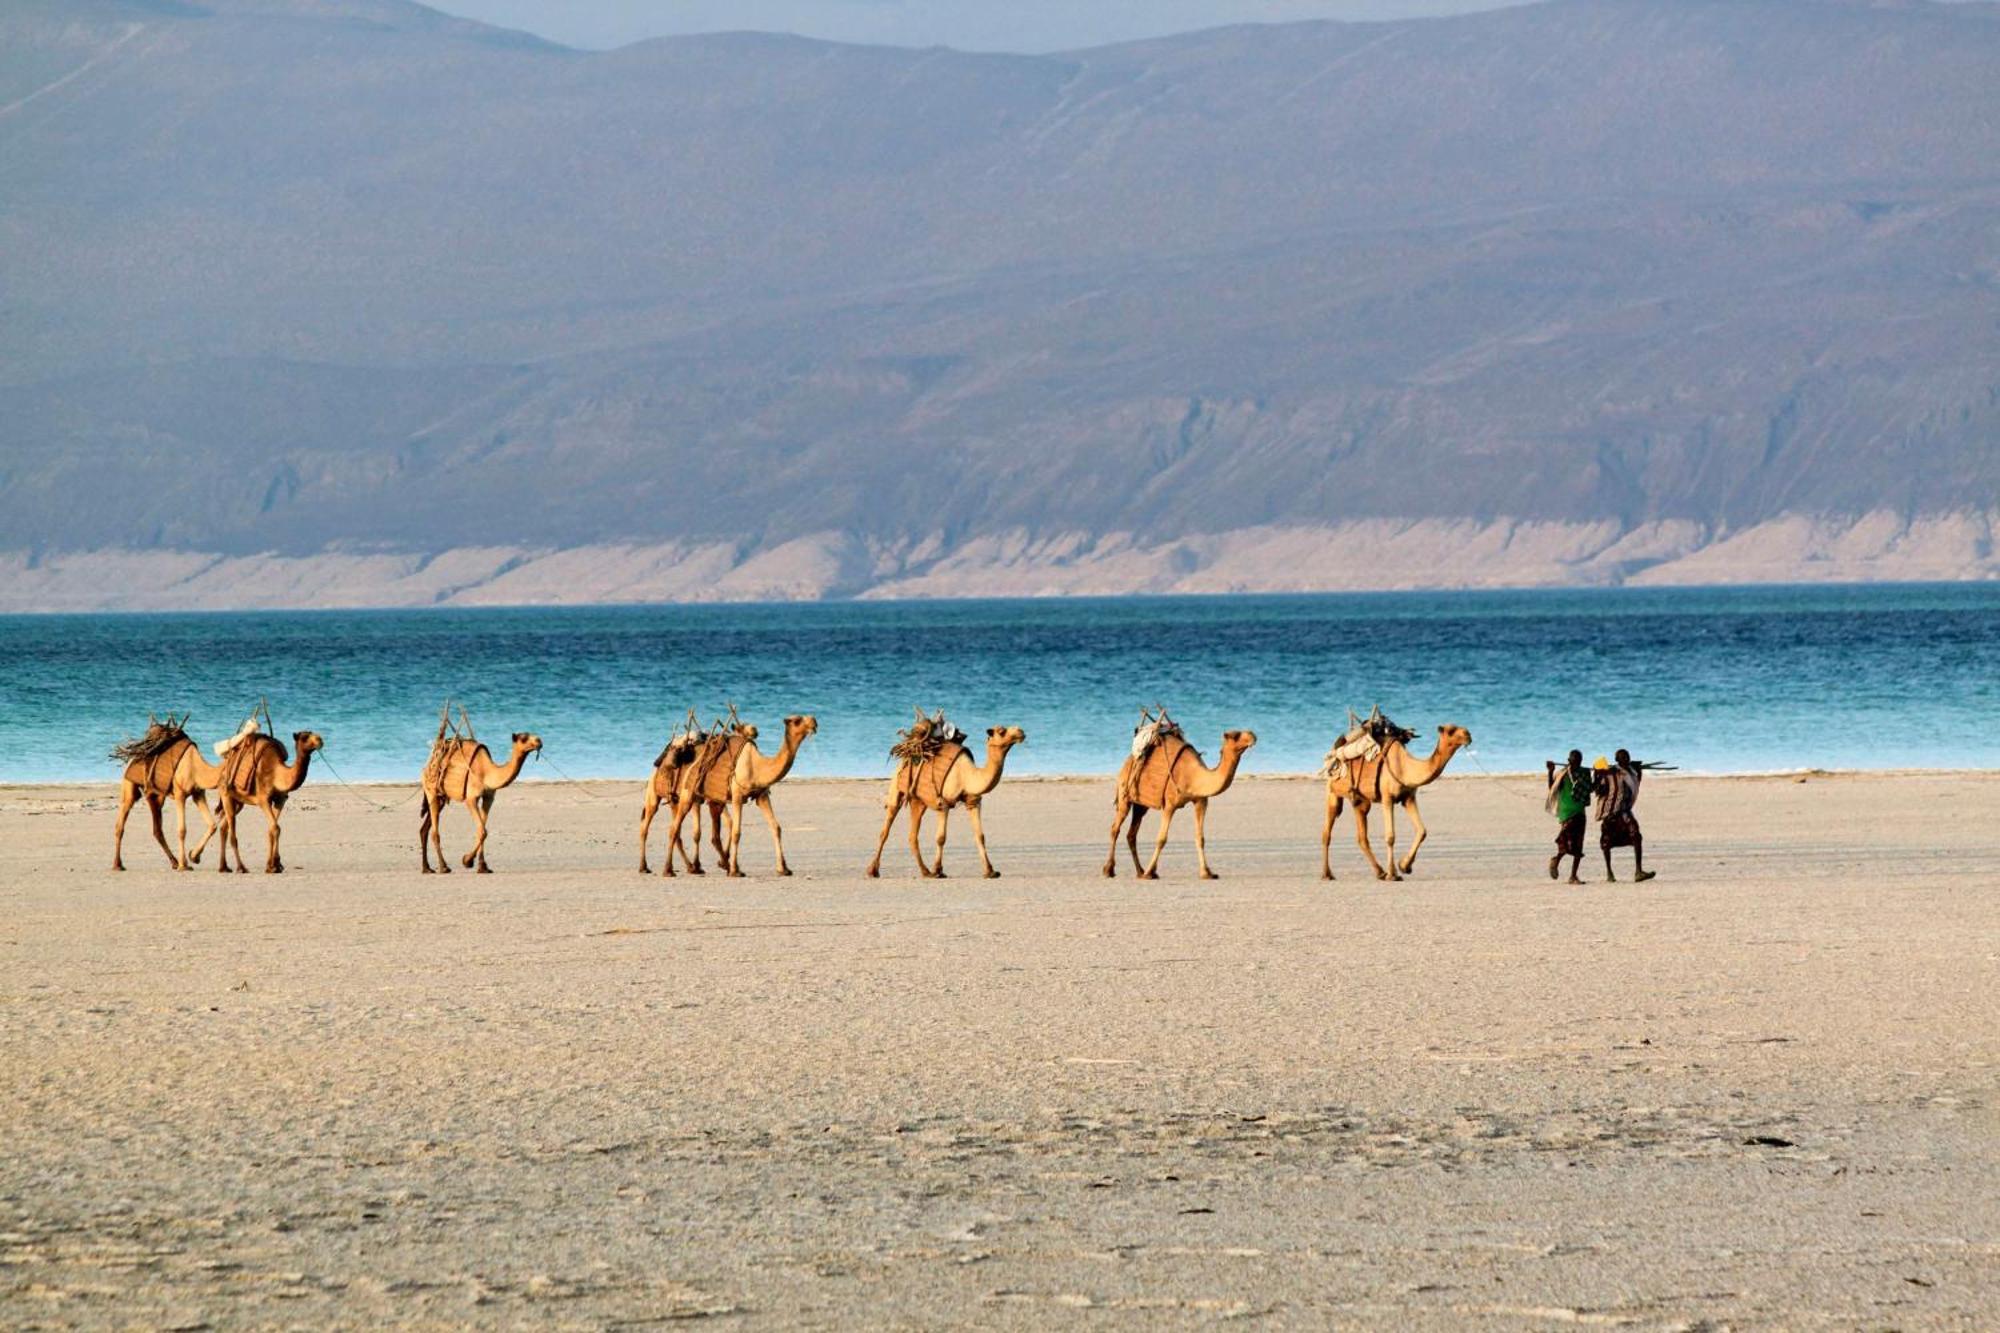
<point x="1617" y="826"/>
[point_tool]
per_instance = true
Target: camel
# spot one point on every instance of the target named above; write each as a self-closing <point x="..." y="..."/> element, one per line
<point x="153" y="771"/>
<point x="1171" y="776"/>
<point x="704" y="781"/>
<point x="663" y="787"/>
<point x="462" y="769"/>
<point x="256" y="773"/>
<point x="1400" y="775"/>
<point x="194" y="777"/>
<point x="752" y="779"/>
<point x="946" y="779"/>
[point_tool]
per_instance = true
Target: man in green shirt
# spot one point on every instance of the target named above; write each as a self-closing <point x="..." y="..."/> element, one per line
<point x="1570" y="790"/>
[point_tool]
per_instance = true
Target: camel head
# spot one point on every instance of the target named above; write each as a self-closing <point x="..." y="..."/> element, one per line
<point x="305" y="742"/>
<point x="1239" y="741"/>
<point x="527" y="742"/>
<point x="800" y="725"/>
<point x="1005" y="738"/>
<point x="1452" y="737"/>
<point x="747" y="730"/>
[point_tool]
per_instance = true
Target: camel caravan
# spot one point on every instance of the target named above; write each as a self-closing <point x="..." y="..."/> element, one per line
<point x="719" y="768"/>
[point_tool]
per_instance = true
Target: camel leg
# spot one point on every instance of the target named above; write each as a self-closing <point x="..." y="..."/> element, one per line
<point x="214" y="818"/>
<point x="426" y="816"/>
<point x="674" y="843"/>
<point x="1333" y="807"/>
<point x="128" y="795"/>
<point x="979" y="838"/>
<point x="235" y="845"/>
<point x="437" y="834"/>
<point x="1417" y="823"/>
<point x="480" y="808"/>
<point x="725" y="851"/>
<point x="729" y="866"/>
<point x="777" y="834"/>
<point x="273" y="865"/>
<point x="894" y="806"/>
<point x="645" y="823"/>
<point x="188" y="862"/>
<point x="156" y="807"/>
<point x="227" y="819"/>
<point x="181" y="829"/>
<point x="917" y="809"/>
<point x="1132" y="840"/>
<point x="1201" y="839"/>
<point x="1152" y="870"/>
<point x="944" y="818"/>
<point x="1361" y="837"/>
<point x="1117" y="827"/>
<point x="1389" y="833"/>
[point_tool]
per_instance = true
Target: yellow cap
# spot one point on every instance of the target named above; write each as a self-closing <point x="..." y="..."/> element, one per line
<point x="1602" y="762"/>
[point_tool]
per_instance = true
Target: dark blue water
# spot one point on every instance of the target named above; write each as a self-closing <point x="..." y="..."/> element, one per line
<point x="1733" y="680"/>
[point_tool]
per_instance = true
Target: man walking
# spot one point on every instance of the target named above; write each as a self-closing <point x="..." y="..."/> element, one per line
<point x="1617" y="826"/>
<point x="1570" y="790"/>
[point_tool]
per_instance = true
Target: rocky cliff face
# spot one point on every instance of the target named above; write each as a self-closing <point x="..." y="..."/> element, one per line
<point x="339" y="302"/>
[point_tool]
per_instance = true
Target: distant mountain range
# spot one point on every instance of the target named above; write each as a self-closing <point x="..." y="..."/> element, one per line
<point x="345" y="301"/>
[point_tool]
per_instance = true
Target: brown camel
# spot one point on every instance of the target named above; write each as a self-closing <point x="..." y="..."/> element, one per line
<point x="256" y="773"/>
<point x="946" y="779"/>
<point x="1172" y="776"/>
<point x="462" y="769"/>
<point x="1390" y="781"/>
<point x="194" y="777"/>
<point x="663" y="787"/>
<point x="704" y="781"/>
<point x="152" y="771"/>
<point x="752" y="779"/>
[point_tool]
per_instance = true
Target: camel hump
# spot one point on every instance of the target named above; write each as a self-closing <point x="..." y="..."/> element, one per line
<point x="927" y="776"/>
<point x="1149" y="784"/>
<point x="245" y="761"/>
<point x="716" y="765"/>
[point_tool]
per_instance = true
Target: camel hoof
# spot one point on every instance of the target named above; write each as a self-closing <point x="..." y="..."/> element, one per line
<point x="1210" y="874"/>
<point x="786" y="871"/>
<point x="696" y="869"/>
<point x="443" y="869"/>
<point x="1381" y="874"/>
<point x="466" y="860"/>
<point x="485" y="870"/>
<point x="992" y="874"/>
<point x="120" y="869"/>
<point x="873" y="872"/>
<point x="1109" y="873"/>
<point x="195" y="860"/>
<point x="243" y="870"/>
<point x="428" y="871"/>
<point x="939" y="874"/>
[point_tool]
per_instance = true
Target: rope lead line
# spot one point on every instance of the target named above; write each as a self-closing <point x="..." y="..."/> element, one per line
<point x="380" y="808"/>
<point x="577" y="782"/>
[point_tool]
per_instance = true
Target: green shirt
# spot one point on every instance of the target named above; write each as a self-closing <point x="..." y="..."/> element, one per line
<point x="1572" y="795"/>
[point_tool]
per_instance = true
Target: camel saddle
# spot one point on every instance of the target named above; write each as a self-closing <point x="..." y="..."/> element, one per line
<point x="239" y="766"/>
<point x="923" y="779"/>
<point x="715" y="762"/>
<point x="1147" y="785"/>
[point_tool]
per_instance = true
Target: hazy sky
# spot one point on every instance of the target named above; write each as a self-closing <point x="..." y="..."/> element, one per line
<point x="978" y="25"/>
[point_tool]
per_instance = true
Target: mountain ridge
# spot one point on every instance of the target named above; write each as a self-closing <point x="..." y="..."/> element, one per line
<point x="1725" y="266"/>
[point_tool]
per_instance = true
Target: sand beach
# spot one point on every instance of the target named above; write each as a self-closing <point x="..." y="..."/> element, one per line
<point x="1762" y="1090"/>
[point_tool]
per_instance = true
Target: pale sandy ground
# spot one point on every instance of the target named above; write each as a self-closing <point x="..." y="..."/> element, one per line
<point x="1758" y="1092"/>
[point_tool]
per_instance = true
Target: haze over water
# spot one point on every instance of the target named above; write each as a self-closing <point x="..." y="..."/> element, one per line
<point x="1737" y="680"/>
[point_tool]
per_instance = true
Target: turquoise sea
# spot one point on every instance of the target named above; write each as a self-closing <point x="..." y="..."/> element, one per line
<point x="1735" y="680"/>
